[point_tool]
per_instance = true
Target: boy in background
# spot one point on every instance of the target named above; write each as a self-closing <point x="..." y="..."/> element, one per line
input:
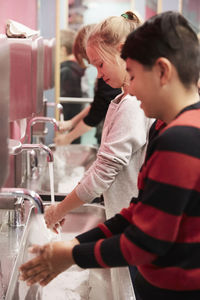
<point x="71" y="74"/>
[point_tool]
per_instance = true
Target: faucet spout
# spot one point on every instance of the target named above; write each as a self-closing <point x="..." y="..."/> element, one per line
<point x="16" y="147"/>
<point x="59" y="106"/>
<point x="35" y="120"/>
<point x="32" y="196"/>
<point x="39" y="146"/>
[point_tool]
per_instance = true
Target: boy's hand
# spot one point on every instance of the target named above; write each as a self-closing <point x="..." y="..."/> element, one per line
<point x="51" y="260"/>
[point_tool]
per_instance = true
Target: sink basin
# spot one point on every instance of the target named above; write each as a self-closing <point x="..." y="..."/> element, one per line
<point x="70" y="164"/>
<point x="75" y="283"/>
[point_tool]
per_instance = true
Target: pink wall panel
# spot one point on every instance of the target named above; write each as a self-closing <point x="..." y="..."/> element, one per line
<point x="23" y="11"/>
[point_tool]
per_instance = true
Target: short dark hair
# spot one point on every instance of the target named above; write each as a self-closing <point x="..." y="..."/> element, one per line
<point x="166" y="35"/>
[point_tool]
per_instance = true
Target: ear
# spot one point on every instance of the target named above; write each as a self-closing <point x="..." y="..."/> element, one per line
<point x="164" y="69"/>
<point x="63" y="51"/>
<point x="119" y="47"/>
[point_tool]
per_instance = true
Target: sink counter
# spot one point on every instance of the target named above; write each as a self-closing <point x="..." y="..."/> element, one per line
<point x="75" y="283"/>
<point x="70" y="164"/>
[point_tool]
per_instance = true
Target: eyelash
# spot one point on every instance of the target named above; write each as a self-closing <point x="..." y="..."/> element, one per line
<point x="101" y="65"/>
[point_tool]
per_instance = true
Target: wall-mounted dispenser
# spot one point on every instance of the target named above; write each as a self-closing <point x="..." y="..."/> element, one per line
<point x="37" y="74"/>
<point x="26" y="77"/>
<point x="49" y="63"/>
<point x="21" y="105"/>
<point x="4" y="104"/>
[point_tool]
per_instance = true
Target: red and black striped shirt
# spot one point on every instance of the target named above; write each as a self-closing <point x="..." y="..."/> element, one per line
<point x="160" y="231"/>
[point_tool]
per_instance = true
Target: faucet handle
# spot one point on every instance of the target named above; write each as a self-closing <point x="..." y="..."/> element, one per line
<point x="14" y="146"/>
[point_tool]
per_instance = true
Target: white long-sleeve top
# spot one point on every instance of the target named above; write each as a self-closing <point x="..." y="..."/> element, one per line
<point x="121" y="153"/>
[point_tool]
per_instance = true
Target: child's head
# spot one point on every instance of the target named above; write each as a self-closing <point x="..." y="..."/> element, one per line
<point x="163" y="60"/>
<point x="104" y="47"/>
<point x="79" y="47"/>
<point x="67" y="38"/>
<point x="166" y="35"/>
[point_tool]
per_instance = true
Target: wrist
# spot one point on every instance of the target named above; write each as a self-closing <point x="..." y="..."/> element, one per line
<point x="67" y="252"/>
<point x="75" y="242"/>
<point x="60" y="255"/>
<point x="61" y="210"/>
<point x="69" y="138"/>
<point x="73" y="122"/>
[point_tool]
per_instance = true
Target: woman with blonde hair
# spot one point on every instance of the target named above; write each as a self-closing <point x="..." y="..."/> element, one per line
<point x="125" y="133"/>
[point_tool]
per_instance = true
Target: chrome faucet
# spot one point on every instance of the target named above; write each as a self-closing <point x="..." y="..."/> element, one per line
<point x="36" y="120"/>
<point x="33" y="197"/>
<point x="39" y="146"/>
<point x="12" y="199"/>
<point x="31" y="166"/>
<point x="16" y="147"/>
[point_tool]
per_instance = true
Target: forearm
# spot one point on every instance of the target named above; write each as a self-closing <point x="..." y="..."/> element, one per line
<point x="70" y="202"/>
<point x="55" y="214"/>
<point x="112" y="226"/>
<point x="99" y="177"/>
<point x="78" y="131"/>
<point x="76" y="119"/>
<point x="100" y="254"/>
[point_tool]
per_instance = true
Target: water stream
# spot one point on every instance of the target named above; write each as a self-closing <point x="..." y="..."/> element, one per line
<point x="53" y="236"/>
<point x="51" y="177"/>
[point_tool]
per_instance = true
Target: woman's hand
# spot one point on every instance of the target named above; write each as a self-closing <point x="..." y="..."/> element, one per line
<point x="54" y="214"/>
<point x="51" y="260"/>
<point x="53" y="217"/>
<point x="65" y="125"/>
